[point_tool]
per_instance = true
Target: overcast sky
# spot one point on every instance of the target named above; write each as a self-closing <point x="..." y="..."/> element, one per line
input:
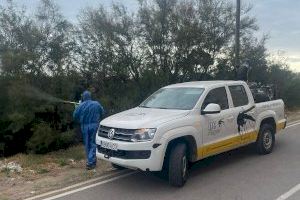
<point x="277" y="18"/>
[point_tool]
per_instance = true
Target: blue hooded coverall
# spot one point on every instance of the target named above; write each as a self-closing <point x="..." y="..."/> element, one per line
<point x="89" y="113"/>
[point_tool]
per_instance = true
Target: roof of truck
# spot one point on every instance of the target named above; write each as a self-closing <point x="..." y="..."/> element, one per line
<point x="203" y="84"/>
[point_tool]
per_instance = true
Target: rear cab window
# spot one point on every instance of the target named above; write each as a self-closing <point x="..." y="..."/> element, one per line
<point x="217" y="96"/>
<point x="239" y="95"/>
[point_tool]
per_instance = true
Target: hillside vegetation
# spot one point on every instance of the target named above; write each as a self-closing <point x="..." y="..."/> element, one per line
<point x="121" y="56"/>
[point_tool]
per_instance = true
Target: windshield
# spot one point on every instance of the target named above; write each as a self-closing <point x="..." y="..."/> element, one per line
<point x="173" y="98"/>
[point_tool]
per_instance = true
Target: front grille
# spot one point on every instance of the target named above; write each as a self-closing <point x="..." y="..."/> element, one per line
<point x="120" y="134"/>
<point x="142" y="154"/>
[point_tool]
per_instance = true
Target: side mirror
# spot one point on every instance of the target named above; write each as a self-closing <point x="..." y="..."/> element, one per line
<point x="211" y="108"/>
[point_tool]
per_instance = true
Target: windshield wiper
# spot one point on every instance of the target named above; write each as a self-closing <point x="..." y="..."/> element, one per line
<point x="161" y="108"/>
<point x="153" y="107"/>
<point x="144" y="106"/>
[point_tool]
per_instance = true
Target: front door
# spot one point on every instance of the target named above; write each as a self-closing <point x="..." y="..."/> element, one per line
<point x="218" y="135"/>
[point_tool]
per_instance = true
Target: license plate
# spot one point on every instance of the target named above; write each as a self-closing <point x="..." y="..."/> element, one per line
<point x="109" y="145"/>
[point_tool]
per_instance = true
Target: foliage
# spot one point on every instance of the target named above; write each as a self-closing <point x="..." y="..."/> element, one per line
<point x="45" y="139"/>
<point x="122" y="56"/>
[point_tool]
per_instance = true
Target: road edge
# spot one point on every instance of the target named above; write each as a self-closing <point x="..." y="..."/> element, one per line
<point x="110" y="175"/>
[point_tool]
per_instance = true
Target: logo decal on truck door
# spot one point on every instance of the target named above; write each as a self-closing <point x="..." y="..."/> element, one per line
<point x="214" y="127"/>
<point x="242" y="119"/>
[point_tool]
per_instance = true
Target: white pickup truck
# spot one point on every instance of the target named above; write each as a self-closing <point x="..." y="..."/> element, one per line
<point x="182" y="123"/>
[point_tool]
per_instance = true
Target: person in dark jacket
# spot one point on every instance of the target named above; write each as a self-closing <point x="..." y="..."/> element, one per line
<point x="89" y="114"/>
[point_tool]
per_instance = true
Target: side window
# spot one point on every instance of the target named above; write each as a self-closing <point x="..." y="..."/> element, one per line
<point x="218" y="96"/>
<point x="239" y="95"/>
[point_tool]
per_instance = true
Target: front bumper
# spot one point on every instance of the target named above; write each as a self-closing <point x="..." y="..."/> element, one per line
<point x="140" y="154"/>
<point x="144" y="156"/>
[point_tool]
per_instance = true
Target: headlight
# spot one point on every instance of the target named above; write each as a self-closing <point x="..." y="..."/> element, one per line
<point x="144" y="134"/>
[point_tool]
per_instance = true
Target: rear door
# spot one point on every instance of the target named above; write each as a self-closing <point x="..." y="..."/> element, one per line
<point x="244" y="114"/>
<point x="217" y="128"/>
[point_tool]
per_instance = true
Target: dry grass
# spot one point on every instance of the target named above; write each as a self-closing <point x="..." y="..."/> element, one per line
<point x="62" y="157"/>
<point x="293" y="115"/>
<point x="42" y="173"/>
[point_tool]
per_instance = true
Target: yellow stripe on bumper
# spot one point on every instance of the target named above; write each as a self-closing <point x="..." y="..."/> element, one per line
<point x="280" y="126"/>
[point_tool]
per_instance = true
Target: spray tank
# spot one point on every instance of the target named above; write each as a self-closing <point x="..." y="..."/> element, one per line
<point x="261" y="92"/>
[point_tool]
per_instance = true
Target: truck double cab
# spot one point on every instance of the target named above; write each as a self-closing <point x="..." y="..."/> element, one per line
<point x="182" y="123"/>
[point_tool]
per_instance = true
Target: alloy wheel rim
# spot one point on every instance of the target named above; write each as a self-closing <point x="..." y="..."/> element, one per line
<point x="267" y="139"/>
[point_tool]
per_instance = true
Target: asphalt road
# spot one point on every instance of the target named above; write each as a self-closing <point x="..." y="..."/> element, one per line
<point x="237" y="175"/>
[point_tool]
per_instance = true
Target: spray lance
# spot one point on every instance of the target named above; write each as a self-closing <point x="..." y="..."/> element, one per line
<point x="72" y="102"/>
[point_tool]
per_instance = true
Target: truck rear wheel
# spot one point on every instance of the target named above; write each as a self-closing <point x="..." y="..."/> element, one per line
<point x="266" y="139"/>
<point x="178" y="165"/>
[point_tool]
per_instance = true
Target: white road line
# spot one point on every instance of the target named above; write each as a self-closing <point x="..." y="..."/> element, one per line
<point x="75" y="185"/>
<point x="297" y="187"/>
<point x="289" y="193"/>
<point x="89" y="186"/>
<point x="293" y="124"/>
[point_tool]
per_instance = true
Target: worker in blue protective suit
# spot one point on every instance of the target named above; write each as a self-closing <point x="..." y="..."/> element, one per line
<point x="89" y="113"/>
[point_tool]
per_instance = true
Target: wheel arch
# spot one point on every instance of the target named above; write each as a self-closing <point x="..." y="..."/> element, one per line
<point x="191" y="143"/>
<point x="267" y="116"/>
<point x="269" y="120"/>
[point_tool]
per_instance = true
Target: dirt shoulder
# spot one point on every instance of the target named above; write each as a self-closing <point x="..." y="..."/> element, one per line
<point x="28" y="175"/>
<point x="293" y="115"/>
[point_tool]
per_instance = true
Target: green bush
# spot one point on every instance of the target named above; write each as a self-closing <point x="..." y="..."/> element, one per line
<point x="65" y="139"/>
<point x="42" y="139"/>
<point x="46" y="139"/>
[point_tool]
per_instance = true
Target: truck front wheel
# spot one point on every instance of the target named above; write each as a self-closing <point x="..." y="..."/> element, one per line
<point x="266" y="139"/>
<point x="178" y="165"/>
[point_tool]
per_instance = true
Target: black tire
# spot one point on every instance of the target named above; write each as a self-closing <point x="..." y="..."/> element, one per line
<point x="178" y="165"/>
<point x="266" y="139"/>
<point x="118" y="167"/>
